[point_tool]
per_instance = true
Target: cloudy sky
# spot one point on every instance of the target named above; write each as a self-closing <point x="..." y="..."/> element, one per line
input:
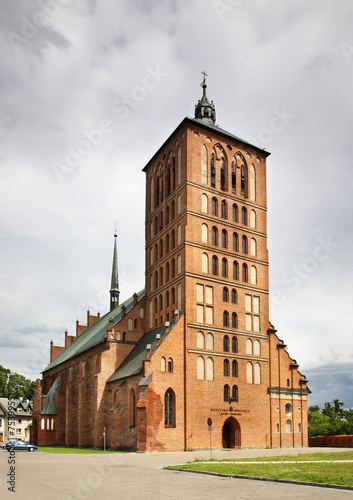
<point x="90" y="89"/>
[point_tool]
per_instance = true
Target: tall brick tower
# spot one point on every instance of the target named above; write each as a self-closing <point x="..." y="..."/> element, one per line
<point x="206" y="256"/>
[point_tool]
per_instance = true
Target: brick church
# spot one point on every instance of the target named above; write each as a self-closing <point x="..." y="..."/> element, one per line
<point x="196" y="343"/>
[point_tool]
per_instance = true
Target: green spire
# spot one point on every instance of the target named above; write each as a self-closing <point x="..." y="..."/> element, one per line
<point x="114" y="287"/>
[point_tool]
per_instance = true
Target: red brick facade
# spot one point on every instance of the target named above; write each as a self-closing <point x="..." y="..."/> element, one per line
<point x="198" y="343"/>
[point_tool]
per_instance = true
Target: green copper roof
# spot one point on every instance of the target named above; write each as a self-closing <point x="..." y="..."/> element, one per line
<point x="94" y="334"/>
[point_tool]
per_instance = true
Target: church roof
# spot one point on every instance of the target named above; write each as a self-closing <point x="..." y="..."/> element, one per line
<point x="132" y="364"/>
<point x="95" y="333"/>
<point x="49" y="402"/>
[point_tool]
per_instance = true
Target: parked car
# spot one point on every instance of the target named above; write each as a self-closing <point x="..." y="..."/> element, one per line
<point x="20" y="445"/>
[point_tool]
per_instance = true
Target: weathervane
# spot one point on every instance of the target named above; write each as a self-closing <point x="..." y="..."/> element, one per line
<point x="204" y="78"/>
<point x="116" y="228"/>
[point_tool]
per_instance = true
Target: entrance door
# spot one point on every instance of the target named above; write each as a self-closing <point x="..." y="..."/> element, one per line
<point x="231" y="433"/>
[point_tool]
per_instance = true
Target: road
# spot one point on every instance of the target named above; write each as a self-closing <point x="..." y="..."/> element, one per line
<point x="44" y="476"/>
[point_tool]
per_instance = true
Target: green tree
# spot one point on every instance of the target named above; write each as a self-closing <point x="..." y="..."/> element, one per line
<point x="14" y="385"/>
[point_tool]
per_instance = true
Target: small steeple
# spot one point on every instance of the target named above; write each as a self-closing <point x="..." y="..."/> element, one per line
<point x="204" y="109"/>
<point x="114" y="288"/>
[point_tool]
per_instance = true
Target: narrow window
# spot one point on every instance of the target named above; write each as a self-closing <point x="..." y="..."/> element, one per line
<point x="204" y="203"/>
<point x="215" y="265"/>
<point x="214" y="206"/>
<point x="253" y="275"/>
<point x="173" y="268"/>
<point x="243" y="182"/>
<point x="224" y="238"/>
<point x="234" y="397"/>
<point x="234" y="179"/>
<point x="167" y="243"/>
<point x="167" y="272"/>
<point x="213" y="171"/>
<point x="167" y="299"/>
<point x="209" y="369"/>
<point x="200" y="368"/>
<point x="234" y="344"/>
<point x="223" y="175"/>
<point x="235" y="270"/>
<point x="226" y="343"/>
<point x="244" y="244"/>
<point x="200" y="340"/>
<point x="167" y="180"/>
<point x="235" y="242"/>
<point x="253" y="247"/>
<point x="245" y="273"/>
<point x="224" y="268"/>
<point x="289" y="425"/>
<point x="225" y="294"/>
<point x="249" y="373"/>
<point x="214" y="236"/>
<point x="257" y="373"/>
<point x="244" y="216"/>
<point x="226" y="368"/>
<point x="224" y="213"/>
<point x="209" y="341"/>
<point x="234" y="320"/>
<point x="225" y="318"/>
<point x="169" y="403"/>
<point x="226" y="393"/>
<point x="234" y="296"/>
<point x="235" y="213"/>
<point x="234" y="368"/>
<point x="173" y="239"/>
<point x="204" y="263"/>
<point x="167" y="214"/>
<point x="170" y="365"/>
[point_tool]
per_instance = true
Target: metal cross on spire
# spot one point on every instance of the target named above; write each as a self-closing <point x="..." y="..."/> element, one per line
<point x="204" y="77"/>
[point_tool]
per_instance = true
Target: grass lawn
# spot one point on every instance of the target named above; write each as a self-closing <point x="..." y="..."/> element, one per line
<point x="329" y="473"/>
<point x="76" y="451"/>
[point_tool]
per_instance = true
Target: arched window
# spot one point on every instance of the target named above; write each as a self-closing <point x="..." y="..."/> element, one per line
<point x="151" y="256"/>
<point x="253" y="219"/>
<point x="173" y="210"/>
<point x="234" y="295"/>
<point x="209" y="369"/>
<point x="214" y="206"/>
<point x="289" y="426"/>
<point x="278" y="428"/>
<point x="234" y="178"/>
<point x="226" y="393"/>
<point x="151" y="229"/>
<point x="173" y="238"/>
<point x="204" y="233"/>
<point x="203" y="164"/>
<point x="179" y="165"/>
<point x="234" y="320"/>
<point x="200" y="368"/>
<point x="167" y="272"/>
<point x="161" y="276"/>
<point x="243" y="182"/>
<point x="235" y="212"/>
<point x="235" y="270"/>
<point x="244" y="244"/>
<point x="173" y="295"/>
<point x="167" y="299"/>
<point x="129" y="324"/>
<point x="245" y="273"/>
<point x="151" y="197"/>
<point x="224" y="238"/>
<point x="224" y="267"/>
<point x="179" y="203"/>
<point x="244" y="216"/>
<point x="173" y="174"/>
<point x="234" y="394"/>
<point x="289" y="409"/>
<point x="169" y="408"/>
<point x="257" y="373"/>
<point x="156" y="251"/>
<point x="226" y="368"/>
<point x="249" y="373"/>
<point x="256" y="348"/>
<point x="234" y="344"/>
<point x="299" y="427"/>
<point x="170" y="365"/>
<point x="209" y="341"/>
<point x="215" y="265"/>
<point x="252" y="183"/>
<point x="225" y="294"/>
<point x="225" y="318"/>
<point x="223" y="175"/>
<point x="179" y="234"/>
<point x="160" y="302"/>
<point x="213" y="171"/>
<point x="224" y="212"/>
<point x="155" y="306"/>
<point x="200" y="340"/>
<point x="253" y="247"/>
<point x="226" y="343"/>
<point x="172" y="270"/>
<point x="248" y="346"/>
<point x="214" y="235"/>
<point x="179" y="263"/>
<point x="167" y="244"/>
<point x="132" y="408"/>
<point x="204" y="203"/>
<point x="167" y="214"/>
<point x="42" y="423"/>
<point x="235" y="242"/>
<point x="167" y="179"/>
<point x="253" y="275"/>
<point x="204" y="263"/>
<point x="234" y="368"/>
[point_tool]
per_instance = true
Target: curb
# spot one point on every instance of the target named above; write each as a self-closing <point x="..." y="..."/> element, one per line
<point x="274" y="480"/>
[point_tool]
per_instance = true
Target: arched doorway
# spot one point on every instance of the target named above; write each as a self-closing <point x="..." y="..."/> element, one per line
<point x="231" y="433"/>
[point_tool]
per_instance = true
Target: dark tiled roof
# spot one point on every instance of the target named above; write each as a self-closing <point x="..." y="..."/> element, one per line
<point x="132" y="364"/>
<point x="94" y="334"/>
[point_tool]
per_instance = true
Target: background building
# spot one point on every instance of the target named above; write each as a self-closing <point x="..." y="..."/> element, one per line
<point x="196" y="343"/>
<point x="22" y="418"/>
